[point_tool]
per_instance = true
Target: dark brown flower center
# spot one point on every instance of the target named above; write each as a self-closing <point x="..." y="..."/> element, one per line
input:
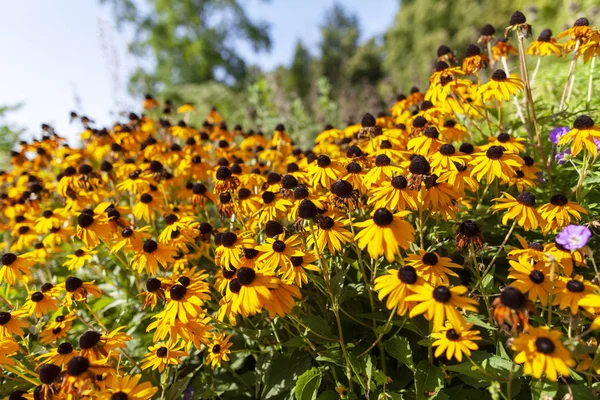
<point x="451" y="334"/>
<point x="383" y="217"/>
<point x="575" y="286"/>
<point x="513" y="298"/>
<point x="407" y="275"/>
<point x="429" y="259"/>
<point x="536" y="276"/>
<point x="442" y="294"/>
<point x="246" y="275"/>
<point x="544" y="345"/>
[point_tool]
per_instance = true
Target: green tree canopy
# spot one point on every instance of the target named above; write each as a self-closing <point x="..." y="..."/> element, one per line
<point x="339" y="41"/>
<point x="189" y="41"/>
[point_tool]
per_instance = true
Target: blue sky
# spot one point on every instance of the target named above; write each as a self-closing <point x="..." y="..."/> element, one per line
<point x="67" y="55"/>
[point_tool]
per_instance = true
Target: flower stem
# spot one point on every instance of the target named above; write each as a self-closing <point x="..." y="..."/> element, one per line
<point x="571" y="72"/>
<point x="489" y="267"/>
<point x="550" y="289"/>
<point x="591" y="81"/>
<point x="479" y="278"/>
<point x="334" y="307"/>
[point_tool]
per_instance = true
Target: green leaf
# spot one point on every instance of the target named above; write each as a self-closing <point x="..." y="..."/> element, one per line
<point x="542" y="389"/>
<point x="308" y="384"/>
<point x="489" y="368"/>
<point x="329" y="395"/>
<point x="475" y="320"/>
<point x="284" y="371"/>
<point x="429" y="380"/>
<point x="318" y="325"/>
<point x="296" y="341"/>
<point x="399" y="348"/>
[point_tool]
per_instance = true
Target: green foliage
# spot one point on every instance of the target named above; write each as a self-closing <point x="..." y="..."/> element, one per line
<point x="189" y="41"/>
<point x="422" y="25"/>
<point x="9" y="133"/>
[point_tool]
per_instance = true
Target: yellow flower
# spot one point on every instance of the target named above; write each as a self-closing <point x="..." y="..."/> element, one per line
<point x="500" y="87"/>
<point x="161" y="356"/>
<point x="520" y="209"/>
<point x="218" y="351"/>
<point x="440" y="303"/>
<point x="455" y="340"/>
<point x="542" y="353"/>
<point x="384" y="233"/>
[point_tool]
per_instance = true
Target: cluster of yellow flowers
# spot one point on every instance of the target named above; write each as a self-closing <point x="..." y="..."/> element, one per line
<point x="224" y="224"/>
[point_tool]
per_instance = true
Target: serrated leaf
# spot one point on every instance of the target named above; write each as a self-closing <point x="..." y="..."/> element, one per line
<point x="399" y="348"/>
<point x="308" y="384"/>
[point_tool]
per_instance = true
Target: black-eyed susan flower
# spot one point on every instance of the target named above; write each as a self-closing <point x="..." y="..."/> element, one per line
<point x="426" y="144"/>
<point x="154" y="292"/>
<point x="131" y="239"/>
<point x="559" y="212"/>
<point x="218" y="350"/>
<point x="251" y="289"/>
<point x="384" y="233"/>
<point x="500" y="87"/>
<point x="533" y="280"/>
<point x="78" y="259"/>
<point x="569" y="291"/>
<point x="520" y="209"/>
<point x="583" y="134"/>
<point x="396" y="285"/>
<point x="278" y="252"/>
<point x="502" y="49"/>
<point x="512" y="307"/>
<point x="11" y="324"/>
<point x="331" y="234"/>
<point x="127" y="387"/>
<point x="78" y="290"/>
<point x="441" y="303"/>
<point x="58" y="328"/>
<point x="324" y="171"/>
<point x="507" y="141"/>
<point x="283" y="300"/>
<point x="92" y="228"/>
<point x="8" y="347"/>
<point x="455" y="340"/>
<point x="152" y="255"/>
<point x="60" y="355"/>
<point x="433" y="268"/>
<point x="15" y="268"/>
<point x="474" y="60"/>
<point x="495" y="163"/>
<point x="296" y="274"/>
<point x="545" y="45"/>
<point x="161" y="356"/>
<point x="394" y="195"/>
<point x="468" y="234"/>
<point x="541" y="352"/>
<point x="39" y="304"/>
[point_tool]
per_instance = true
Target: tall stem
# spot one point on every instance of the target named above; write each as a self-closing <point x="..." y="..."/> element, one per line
<point x="571" y="72"/>
<point x="552" y="268"/>
<point x="517" y="104"/>
<point x="591" y="81"/>
<point x="334" y="307"/>
<point x="489" y="267"/>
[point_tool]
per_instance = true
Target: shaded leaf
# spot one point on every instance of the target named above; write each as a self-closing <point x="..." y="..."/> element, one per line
<point x="399" y="348"/>
<point x="308" y="384"/>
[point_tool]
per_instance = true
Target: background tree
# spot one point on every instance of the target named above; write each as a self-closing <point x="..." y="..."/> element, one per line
<point x="339" y="41"/>
<point x="299" y="78"/>
<point x="9" y="133"/>
<point x="189" y="41"/>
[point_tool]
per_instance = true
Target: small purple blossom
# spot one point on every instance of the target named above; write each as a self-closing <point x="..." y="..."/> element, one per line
<point x="562" y="157"/>
<point x="558" y="132"/>
<point x="597" y="142"/>
<point x="574" y="237"/>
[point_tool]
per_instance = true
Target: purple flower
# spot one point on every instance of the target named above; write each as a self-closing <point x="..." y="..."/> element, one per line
<point x="558" y="132"/>
<point x="562" y="157"/>
<point x="597" y="142"/>
<point x="574" y="237"/>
